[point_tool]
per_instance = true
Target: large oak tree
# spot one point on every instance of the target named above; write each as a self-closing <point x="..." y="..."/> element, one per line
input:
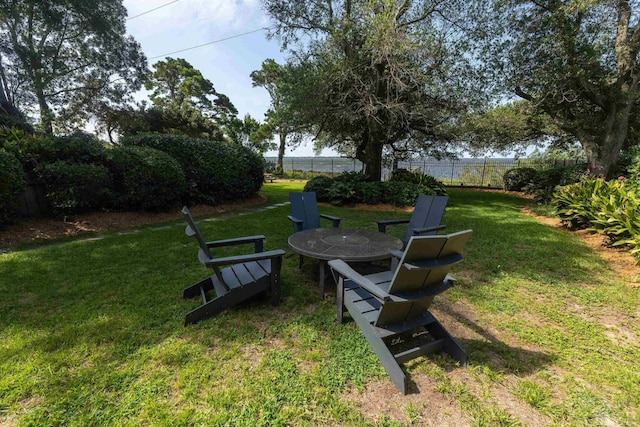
<point x="377" y="73"/>
<point x="576" y="61"/>
<point x="64" y="55"/>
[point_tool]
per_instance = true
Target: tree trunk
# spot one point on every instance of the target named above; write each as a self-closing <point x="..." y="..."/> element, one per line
<point x="372" y="153"/>
<point x="603" y="151"/>
<point x="281" y="148"/>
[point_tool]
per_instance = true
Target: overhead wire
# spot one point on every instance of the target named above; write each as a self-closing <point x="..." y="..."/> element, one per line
<point x="151" y="10"/>
<point x="212" y="42"/>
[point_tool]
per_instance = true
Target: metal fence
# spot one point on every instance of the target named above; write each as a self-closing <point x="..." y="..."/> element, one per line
<point x="469" y="172"/>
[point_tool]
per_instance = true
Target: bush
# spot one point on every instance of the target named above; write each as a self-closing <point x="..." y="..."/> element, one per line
<point x="320" y="185"/>
<point x="352" y="187"/>
<point x="215" y="170"/>
<point x="576" y="204"/>
<point x="517" y="178"/>
<point x="371" y="193"/>
<point x="74" y="187"/>
<point x="431" y="185"/>
<point x="545" y="181"/>
<point x="403" y="193"/>
<point x="34" y="150"/>
<point x="12" y="182"/>
<point x="145" y="179"/>
<point x="406" y="176"/>
<point x="609" y="207"/>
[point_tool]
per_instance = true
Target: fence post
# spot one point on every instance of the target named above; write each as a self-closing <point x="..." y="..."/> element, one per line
<point x="452" y="163"/>
<point x="332" y="168"/>
<point x="483" y="168"/>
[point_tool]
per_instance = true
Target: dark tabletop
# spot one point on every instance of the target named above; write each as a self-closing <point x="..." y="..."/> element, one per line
<point x="344" y="243"/>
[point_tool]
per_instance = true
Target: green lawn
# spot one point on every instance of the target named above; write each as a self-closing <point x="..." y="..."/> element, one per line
<point x="91" y="334"/>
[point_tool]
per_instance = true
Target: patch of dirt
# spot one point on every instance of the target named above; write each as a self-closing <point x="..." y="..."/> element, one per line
<point x="33" y="230"/>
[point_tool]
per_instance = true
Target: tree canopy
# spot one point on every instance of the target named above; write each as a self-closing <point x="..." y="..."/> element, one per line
<point x="61" y="57"/>
<point x="376" y="74"/>
<point x="577" y="62"/>
<point x="281" y="119"/>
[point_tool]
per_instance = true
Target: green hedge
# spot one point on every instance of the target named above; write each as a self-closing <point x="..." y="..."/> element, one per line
<point x="12" y="183"/>
<point x="75" y="187"/>
<point x="215" y="170"/>
<point x="145" y="179"/>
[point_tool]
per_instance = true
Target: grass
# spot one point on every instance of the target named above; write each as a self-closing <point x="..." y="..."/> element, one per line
<point x="91" y="333"/>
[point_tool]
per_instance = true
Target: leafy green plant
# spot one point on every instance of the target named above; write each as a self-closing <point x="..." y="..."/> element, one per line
<point x="145" y="178"/>
<point x="12" y="182"/>
<point x="576" y="204"/>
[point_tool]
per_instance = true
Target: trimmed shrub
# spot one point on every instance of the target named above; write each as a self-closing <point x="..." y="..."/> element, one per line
<point x="145" y="179"/>
<point x="12" y="183"/>
<point x="74" y="187"/>
<point x="517" y="178"/>
<point x="215" y="170"/>
<point x="34" y="150"/>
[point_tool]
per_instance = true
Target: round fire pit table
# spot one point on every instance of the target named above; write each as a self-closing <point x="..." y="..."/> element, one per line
<point x="347" y="244"/>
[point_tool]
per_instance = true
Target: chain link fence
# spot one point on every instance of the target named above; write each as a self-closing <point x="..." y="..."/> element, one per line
<point x="470" y="172"/>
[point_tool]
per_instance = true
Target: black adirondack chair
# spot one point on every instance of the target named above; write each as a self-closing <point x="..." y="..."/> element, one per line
<point x="425" y="219"/>
<point x="392" y="308"/>
<point x="235" y="278"/>
<point x="305" y="214"/>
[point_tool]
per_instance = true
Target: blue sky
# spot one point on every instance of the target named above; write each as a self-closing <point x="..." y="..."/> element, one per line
<point x="227" y="64"/>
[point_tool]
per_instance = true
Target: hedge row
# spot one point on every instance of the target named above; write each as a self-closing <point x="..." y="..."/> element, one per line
<point x="214" y="171"/>
<point x="154" y="172"/>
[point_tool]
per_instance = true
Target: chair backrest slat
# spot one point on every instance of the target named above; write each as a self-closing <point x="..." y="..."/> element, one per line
<point x="192" y="230"/>
<point x="407" y="279"/>
<point x="428" y="212"/>
<point x="425" y="264"/>
<point x="304" y="206"/>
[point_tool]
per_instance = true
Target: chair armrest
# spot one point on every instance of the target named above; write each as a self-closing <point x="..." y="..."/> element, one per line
<point x="216" y="262"/>
<point x="334" y="219"/>
<point x="420" y="231"/>
<point x="297" y="223"/>
<point x="342" y="268"/>
<point x="382" y="224"/>
<point x="256" y="240"/>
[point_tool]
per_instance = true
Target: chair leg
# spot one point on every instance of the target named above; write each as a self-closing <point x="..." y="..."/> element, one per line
<point x="379" y="347"/>
<point x="276" y="266"/>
